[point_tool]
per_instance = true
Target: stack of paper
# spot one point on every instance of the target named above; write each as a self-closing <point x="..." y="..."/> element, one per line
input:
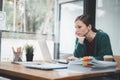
<point x="97" y="66"/>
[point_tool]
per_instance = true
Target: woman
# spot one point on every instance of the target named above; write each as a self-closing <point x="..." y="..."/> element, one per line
<point x="90" y="42"/>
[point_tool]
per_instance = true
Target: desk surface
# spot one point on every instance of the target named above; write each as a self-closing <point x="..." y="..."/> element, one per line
<point x="34" y="74"/>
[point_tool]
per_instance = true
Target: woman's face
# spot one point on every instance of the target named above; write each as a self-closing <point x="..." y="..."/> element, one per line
<point x="81" y="29"/>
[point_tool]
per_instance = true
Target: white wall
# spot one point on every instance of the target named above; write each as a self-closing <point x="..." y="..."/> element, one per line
<point x="108" y="19"/>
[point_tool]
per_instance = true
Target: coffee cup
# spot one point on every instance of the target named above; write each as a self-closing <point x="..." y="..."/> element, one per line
<point x="108" y="58"/>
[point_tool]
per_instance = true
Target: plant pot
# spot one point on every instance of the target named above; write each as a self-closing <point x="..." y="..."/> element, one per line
<point x="29" y="57"/>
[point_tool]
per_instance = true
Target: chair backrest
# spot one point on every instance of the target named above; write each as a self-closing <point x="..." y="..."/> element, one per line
<point x="117" y="59"/>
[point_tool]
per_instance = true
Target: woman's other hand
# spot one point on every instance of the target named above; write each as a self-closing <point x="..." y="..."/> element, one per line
<point x="71" y="58"/>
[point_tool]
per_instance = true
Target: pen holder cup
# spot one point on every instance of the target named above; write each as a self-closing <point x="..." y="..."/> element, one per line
<point x="17" y="56"/>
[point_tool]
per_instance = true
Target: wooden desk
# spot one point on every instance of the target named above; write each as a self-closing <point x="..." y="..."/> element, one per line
<point x="34" y="74"/>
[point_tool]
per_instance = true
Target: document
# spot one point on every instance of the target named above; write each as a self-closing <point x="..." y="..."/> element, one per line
<point x="97" y="66"/>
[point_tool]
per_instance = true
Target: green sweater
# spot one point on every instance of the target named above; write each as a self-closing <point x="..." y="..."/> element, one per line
<point x="102" y="47"/>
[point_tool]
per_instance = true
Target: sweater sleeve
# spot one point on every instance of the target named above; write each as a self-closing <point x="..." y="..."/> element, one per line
<point x="104" y="47"/>
<point x="79" y="50"/>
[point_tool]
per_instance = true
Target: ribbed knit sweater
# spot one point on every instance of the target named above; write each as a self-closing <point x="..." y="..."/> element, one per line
<point x="102" y="47"/>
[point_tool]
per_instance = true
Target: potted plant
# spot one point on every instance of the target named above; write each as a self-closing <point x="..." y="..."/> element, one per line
<point x="29" y="52"/>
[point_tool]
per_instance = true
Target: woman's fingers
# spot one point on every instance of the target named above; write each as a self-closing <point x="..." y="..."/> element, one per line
<point x="71" y="58"/>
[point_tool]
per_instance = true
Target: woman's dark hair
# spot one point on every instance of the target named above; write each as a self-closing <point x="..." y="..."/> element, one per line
<point x="87" y="19"/>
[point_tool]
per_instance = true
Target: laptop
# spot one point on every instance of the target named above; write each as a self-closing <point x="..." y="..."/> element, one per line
<point x="45" y="50"/>
<point x="50" y="65"/>
<point x="46" y="53"/>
